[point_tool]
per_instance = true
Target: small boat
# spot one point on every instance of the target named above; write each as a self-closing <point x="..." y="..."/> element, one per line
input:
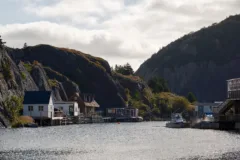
<point x="177" y="121"/>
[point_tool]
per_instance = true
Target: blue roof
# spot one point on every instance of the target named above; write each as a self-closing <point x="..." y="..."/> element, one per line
<point x="37" y="97"/>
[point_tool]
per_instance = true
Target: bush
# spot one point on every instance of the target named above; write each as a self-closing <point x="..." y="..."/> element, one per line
<point x="7" y="71"/>
<point x="36" y="63"/>
<point x="169" y="102"/>
<point x="21" y="121"/>
<point x="156" y="111"/>
<point x="181" y="103"/>
<point x="23" y="75"/>
<point x="28" y="67"/>
<point x="53" y="82"/>
<point x="13" y="105"/>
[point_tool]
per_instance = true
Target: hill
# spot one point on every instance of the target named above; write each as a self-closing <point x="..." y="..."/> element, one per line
<point x="199" y="62"/>
<point x="65" y="71"/>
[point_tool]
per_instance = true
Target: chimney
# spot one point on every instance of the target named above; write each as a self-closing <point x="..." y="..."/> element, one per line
<point x="89" y="97"/>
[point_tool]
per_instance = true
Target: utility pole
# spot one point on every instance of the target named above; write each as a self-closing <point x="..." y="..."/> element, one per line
<point x="41" y="118"/>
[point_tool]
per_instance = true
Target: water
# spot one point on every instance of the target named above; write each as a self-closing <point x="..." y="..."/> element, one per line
<point x="146" y="141"/>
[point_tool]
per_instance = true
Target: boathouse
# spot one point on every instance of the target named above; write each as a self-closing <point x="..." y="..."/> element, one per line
<point x="38" y="104"/>
<point x="86" y="103"/>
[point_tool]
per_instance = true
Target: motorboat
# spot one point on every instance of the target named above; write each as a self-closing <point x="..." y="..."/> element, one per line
<point x="177" y="121"/>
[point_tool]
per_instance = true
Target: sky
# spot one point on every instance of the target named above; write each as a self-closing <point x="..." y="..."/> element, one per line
<point x="119" y="31"/>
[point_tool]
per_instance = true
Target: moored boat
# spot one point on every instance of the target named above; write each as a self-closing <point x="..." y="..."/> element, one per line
<point x="177" y="121"/>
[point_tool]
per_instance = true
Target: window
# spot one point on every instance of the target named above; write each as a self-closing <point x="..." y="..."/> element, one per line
<point x="40" y="108"/>
<point x="30" y="108"/>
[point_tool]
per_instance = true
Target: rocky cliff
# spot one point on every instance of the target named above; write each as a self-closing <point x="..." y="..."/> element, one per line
<point x="199" y="62"/>
<point x="17" y="77"/>
<point x="75" y="70"/>
<point x="65" y="72"/>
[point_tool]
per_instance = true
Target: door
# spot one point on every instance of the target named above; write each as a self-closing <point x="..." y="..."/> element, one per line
<point x="71" y="110"/>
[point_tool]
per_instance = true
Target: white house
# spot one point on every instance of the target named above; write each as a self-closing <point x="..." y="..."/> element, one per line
<point x="68" y="108"/>
<point x="38" y="104"/>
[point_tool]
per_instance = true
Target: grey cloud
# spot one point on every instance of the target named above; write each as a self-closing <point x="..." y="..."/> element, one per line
<point x="126" y="33"/>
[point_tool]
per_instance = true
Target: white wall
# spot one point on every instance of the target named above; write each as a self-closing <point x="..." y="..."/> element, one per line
<point x="46" y="113"/>
<point x="65" y="106"/>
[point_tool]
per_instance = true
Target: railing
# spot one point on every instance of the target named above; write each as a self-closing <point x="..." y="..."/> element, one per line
<point x="234" y="84"/>
<point x="58" y="114"/>
<point x="234" y="95"/>
<point x="222" y="105"/>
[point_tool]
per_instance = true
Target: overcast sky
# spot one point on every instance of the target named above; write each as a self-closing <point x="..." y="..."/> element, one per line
<point x="119" y="31"/>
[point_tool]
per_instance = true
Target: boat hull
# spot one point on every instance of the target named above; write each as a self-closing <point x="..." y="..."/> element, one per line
<point x="177" y="125"/>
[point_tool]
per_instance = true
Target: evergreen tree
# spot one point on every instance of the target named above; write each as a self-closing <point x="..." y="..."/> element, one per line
<point x="125" y="69"/>
<point x="128" y="69"/>
<point x="158" y="85"/>
<point x="1" y="43"/>
<point x="191" y="97"/>
<point x="25" y="45"/>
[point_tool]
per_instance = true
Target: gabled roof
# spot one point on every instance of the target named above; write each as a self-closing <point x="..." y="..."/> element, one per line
<point x="37" y="97"/>
<point x="92" y="104"/>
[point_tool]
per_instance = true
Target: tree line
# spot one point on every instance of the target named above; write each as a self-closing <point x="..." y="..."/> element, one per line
<point x="125" y="69"/>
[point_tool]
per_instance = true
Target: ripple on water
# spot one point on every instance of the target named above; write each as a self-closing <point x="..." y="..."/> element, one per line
<point x="147" y="140"/>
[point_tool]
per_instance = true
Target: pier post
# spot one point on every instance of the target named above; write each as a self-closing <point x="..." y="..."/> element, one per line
<point x="237" y="114"/>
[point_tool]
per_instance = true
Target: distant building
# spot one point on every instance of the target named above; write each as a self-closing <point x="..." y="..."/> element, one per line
<point x="38" y="104"/>
<point x="68" y="108"/>
<point x="86" y="103"/>
<point x="202" y="109"/>
<point x="122" y="112"/>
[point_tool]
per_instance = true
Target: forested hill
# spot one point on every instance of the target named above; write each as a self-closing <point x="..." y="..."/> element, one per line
<point x="200" y="62"/>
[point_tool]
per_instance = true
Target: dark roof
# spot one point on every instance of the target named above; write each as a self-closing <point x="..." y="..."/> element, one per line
<point x="37" y="97"/>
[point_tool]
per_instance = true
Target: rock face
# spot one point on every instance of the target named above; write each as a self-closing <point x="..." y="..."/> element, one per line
<point x="10" y="79"/>
<point x="199" y="62"/>
<point x="39" y="76"/>
<point x="67" y="87"/>
<point x="27" y="81"/>
<point x="75" y="70"/>
<point x="15" y="79"/>
<point x="138" y="89"/>
<point x="11" y="82"/>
